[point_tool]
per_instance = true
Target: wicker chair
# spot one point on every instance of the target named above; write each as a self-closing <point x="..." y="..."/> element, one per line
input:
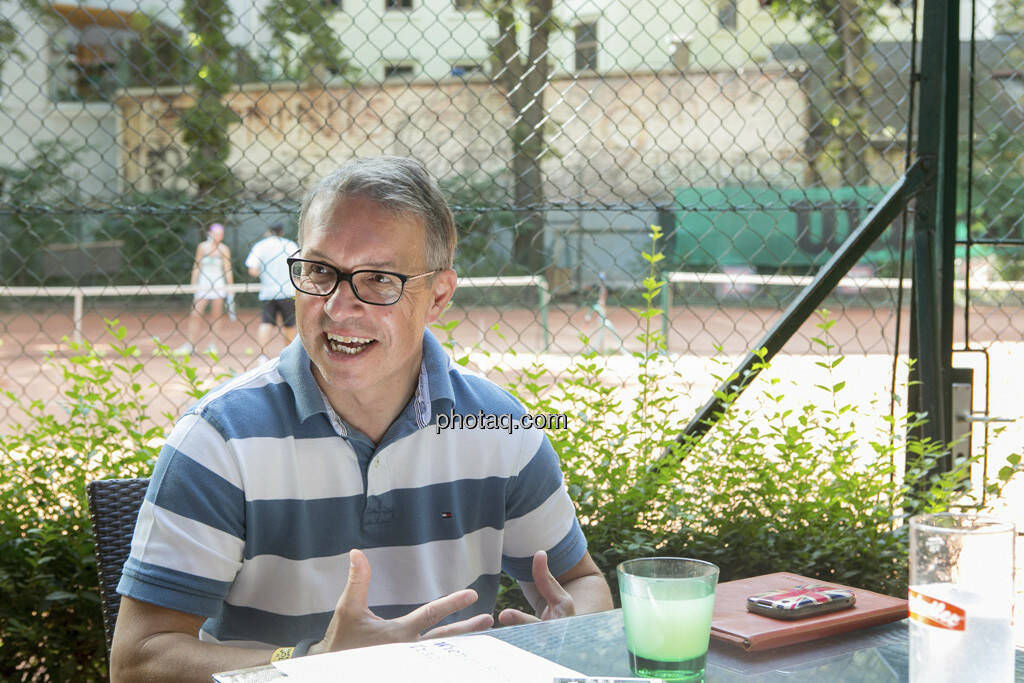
<point x="113" y="507"/>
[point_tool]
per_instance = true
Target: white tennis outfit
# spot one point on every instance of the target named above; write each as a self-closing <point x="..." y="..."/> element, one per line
<point x="211" y="283"/>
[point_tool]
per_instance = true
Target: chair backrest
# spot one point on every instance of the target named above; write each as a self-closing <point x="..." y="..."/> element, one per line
<point x="113" y="508"/>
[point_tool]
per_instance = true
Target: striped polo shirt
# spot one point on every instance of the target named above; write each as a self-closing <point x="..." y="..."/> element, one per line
<point x="262" y="490"/>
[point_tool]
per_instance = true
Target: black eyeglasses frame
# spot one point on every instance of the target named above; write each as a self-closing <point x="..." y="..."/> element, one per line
<point x="348" y="277"/>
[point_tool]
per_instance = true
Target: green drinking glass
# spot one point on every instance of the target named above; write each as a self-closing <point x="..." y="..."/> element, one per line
<point x="666" y="605"/>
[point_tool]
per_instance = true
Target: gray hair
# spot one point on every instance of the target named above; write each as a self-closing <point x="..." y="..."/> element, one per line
<point x="400" y="185"/>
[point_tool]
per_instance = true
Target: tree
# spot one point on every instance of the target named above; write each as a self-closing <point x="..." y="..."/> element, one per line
<point x="207" y="121"/>
<point x="840" y="28"/>
<point x="475" y="199"/>
<point x="523" y="75"/>
<point x="205" y="124"/>
<point x="1009" y="15"/>
<point x="38" y="195"/>
<point x="997" y="161"/>
<point x="9" y="33"/>
<point x="159" y="56"/>
<point x="290" y="19"/>
<point x="998" y="177"/>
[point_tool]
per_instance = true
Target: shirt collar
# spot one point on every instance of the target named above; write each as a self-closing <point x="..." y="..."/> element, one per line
<point x="434" y="391"/>
<point x="435" y="394"/>
<point x="295" y="368"/>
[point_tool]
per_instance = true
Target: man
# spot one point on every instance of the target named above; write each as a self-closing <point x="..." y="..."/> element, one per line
<point x="268" y="260"/>
<point x="314" y="467"/>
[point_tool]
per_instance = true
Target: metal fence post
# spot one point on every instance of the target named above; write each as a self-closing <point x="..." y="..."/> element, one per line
<point x="931" y="331"/>
<point x="666" y="309"/>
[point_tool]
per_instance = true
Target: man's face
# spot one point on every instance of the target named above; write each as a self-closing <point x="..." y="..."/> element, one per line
<point x="360" y="351"/>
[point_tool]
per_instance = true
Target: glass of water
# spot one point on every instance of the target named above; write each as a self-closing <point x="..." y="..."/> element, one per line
<point x="961" y="598"/>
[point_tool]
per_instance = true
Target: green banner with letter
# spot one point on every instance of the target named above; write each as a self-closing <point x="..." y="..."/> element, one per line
<point x="769" y="229"/>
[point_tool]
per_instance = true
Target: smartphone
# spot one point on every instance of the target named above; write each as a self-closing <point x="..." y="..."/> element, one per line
<point x="798" y="602"/>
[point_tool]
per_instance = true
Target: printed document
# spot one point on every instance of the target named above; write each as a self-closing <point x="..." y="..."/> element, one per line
<point x="462" y="659"/>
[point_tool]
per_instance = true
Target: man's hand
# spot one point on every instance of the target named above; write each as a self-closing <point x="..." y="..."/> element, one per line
<point x="354" y="625"/>
<point x="548" y="597"/>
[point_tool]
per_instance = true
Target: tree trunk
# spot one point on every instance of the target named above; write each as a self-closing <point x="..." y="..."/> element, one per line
<point x="853" y="163"/>
<point x="206" y="122"/>
<point x="524" y="79"/>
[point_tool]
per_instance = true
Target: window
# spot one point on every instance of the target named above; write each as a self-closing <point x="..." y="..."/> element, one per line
<point x="92" y="72"/>
<point x="727" y="14"/>
<point x="397" y="71"/>
<point x="397" y="4"/>
<point x="586" y="46"/>
<point x="94" y="53"/>
<point x="89" y="63"/>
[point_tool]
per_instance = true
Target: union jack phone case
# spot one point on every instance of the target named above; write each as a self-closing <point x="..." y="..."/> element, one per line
<point x="798" y="602"/>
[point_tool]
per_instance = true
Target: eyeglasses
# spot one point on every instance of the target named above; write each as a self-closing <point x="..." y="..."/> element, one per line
<point x="375" y="287"/>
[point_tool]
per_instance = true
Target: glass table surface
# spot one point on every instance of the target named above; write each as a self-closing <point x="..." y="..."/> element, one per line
<point x="595" y="644"/>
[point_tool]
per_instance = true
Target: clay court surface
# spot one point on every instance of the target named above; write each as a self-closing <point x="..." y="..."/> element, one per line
<point x="27" y="336"/>
<point x="700" y="340"/>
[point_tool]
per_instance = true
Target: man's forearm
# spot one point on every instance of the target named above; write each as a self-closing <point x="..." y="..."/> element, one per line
<point x="178" y="657"/>
<point x="589" y="593"/>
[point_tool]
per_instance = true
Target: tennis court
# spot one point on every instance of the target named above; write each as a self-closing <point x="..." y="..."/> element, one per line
<point x="695" y="334"/>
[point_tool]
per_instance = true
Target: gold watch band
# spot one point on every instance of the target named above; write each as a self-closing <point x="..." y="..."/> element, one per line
<point x="281" y="653"/>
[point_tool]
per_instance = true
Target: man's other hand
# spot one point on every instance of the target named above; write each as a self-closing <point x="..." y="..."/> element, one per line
<point x="549" y="598"/>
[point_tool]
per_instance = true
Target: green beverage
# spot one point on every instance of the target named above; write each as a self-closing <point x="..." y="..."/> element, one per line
<point x="667" y="605"/>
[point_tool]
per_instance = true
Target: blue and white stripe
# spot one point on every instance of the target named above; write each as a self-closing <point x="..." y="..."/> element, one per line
<point x="261" y="492"/>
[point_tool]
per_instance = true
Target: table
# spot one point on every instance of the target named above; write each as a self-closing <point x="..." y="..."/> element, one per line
<point x="595" y="644"/>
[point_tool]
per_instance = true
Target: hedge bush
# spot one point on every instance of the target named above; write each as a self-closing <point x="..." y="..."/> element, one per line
<point x="51" y="626"/>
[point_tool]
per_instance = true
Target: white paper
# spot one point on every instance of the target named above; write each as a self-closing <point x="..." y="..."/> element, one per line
<point x="464" y="659"/>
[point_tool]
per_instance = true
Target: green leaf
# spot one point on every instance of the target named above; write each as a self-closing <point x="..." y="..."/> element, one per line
<point x="58" y="596"/>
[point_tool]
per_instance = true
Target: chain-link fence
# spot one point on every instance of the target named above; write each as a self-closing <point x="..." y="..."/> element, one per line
<point x="757" y="134"/>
